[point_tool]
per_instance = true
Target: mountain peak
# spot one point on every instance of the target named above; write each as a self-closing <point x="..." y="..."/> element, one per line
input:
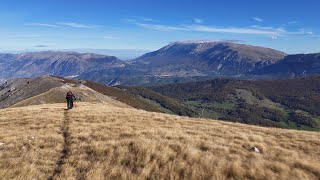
<point x="195" y="42"/>
<point x="205" y="41"/>
<point x="215" y="57"/>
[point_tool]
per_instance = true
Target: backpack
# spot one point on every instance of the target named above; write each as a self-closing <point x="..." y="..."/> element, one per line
<point x="69" y="95"/>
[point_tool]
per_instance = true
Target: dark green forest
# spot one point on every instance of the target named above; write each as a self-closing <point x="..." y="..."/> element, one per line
<point x="292" y="103"/>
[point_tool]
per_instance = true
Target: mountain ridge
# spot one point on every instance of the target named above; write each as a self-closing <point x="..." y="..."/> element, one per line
<point x="297" y="65"/>
<point x="212" y="56"/>
<point x="54" y="63"/>
<point x="177" y="62"/>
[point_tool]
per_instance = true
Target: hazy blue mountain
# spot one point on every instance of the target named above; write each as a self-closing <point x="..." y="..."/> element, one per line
<point x="298" y="65"/>
<point x="54" y="63"/>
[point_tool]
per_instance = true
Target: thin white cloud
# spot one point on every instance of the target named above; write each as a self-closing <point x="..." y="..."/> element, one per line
<point x="312" y="34"/>
<point x="109" y="37"/>
<point x="26" y="36"/>
<point x="302" y="31"/>
<point x="252" y="30"/>
<point x="41" y="46"/>
<point x="266" y="28"/>
<point x="42" y="24"/>
<point x="293" y="22"/>
<point x="77" y="25"/>
<point x="63" y="24"/>
<point x="161" y="27"/>
<point x="135" y="19"/>
<point x="129" y="20"/>
<point x="32" y="35"/>
<point x="234" y="30"/>
<point x="201" y="28"/>
<point x="257" y="19"/>
<point x="197" y="20"/>
<point x="145" y="19"/>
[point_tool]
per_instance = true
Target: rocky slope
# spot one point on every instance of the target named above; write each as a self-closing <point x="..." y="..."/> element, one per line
<point x="292" y="66"/>
<point x="54" y="63"/>
<point x="16" y="90"/>
<point x="202" y="58"/>
<point x="188" y="61"/>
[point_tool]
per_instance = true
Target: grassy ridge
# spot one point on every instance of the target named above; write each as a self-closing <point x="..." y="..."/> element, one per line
<point x="100" y="141"/>
<point x="166" y="102"/>
<point x="143" y="98"/>
<point x="118" y="94"/>
<point x="123" y="96"/>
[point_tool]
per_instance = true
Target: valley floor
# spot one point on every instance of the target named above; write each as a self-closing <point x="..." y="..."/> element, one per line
<point x="102" y="141"/>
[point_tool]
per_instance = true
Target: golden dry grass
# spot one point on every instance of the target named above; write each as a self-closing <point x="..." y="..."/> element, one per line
<point x="57" y="95"/>
<point x="32" y="142"/>
<point x="101" y="141"/>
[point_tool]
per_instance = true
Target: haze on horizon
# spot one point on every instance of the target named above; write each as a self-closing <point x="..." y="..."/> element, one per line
<point x="143" y="26"/>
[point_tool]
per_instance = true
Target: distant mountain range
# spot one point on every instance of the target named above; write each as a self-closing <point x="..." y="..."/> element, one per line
<point x="123" y="54"/>
<point x="54" y="63"/>
<point x="299" y="65"/>
<point x="177" y="62"/>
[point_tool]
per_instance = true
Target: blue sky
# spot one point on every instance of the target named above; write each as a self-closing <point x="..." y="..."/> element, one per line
<point x="291" y="26"/>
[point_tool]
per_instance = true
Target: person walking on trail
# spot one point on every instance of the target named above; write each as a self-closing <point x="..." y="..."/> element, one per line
<point x="70" y="97"/>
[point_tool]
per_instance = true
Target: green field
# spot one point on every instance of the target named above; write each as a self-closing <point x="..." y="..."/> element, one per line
<point x="223" y="105"/>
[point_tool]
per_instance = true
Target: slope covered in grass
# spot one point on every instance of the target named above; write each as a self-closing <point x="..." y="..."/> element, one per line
<point x="291" y="103"/>
<point x="97" y="141"/>
<point x="31" y="141"/>
<point x="123" y="96"/>
<point x="81" y="92"/>
<point x="17" y="90"/>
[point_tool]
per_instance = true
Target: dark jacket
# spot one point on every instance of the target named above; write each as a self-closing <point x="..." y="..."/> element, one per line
<point x="70" y="96"/>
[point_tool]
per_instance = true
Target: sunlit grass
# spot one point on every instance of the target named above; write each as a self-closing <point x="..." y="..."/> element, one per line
<point x="108" y="142"/>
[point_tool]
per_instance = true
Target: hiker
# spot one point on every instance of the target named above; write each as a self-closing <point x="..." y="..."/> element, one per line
<point x="70" y="97"/>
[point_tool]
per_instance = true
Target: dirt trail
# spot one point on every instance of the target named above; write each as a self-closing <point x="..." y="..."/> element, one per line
<point x="66" y="146"/>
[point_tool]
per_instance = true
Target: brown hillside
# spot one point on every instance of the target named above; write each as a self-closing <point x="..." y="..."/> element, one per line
<point x="81" y="92"/>
<point x="101" y="141"/>
<point x="20" y="89"/>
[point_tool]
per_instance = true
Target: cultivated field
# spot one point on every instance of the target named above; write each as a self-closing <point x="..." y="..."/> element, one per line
<point x="102" y="141"/>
